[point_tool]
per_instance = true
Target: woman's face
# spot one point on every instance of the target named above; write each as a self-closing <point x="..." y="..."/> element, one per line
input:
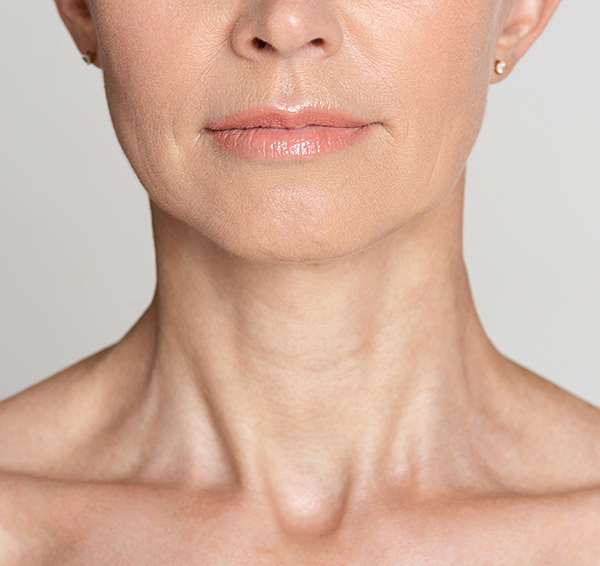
<point x="415" y="71"/>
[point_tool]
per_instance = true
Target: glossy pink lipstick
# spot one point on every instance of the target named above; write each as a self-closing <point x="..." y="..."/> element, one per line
<point x="270" y="133"/>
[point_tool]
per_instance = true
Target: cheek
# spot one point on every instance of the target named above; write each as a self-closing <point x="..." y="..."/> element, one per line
<point x="439" y="64"/>
<point x="156" y="56"/>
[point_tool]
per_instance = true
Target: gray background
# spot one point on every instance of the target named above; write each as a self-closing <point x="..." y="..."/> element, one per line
<point x="76" y="261"/>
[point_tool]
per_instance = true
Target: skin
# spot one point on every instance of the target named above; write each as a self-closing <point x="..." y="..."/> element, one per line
<point x="311" y="384"/>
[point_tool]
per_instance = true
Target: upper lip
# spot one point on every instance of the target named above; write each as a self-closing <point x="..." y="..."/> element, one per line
<point x="294" y="119"/>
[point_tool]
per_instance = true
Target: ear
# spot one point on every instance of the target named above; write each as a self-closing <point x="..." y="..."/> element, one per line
<point x="77" y="16"/>
<point x="525" y="22"/>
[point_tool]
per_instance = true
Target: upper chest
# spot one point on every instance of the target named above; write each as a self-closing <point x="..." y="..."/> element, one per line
<point x="125" y="525"/>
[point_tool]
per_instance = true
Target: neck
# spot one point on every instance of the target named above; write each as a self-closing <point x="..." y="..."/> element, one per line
<point x="307" y="379"/>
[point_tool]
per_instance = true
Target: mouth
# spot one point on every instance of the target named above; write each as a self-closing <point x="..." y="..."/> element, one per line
<point x="275" y="134"/>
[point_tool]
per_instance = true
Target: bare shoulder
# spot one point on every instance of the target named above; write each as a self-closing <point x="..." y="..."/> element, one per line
<point x="550" y="437"/>
<point x="57" y="428"/>
<point x="42" y="427"/>
<point x="18" y="543"/>
<point x="569" y="419"/>
<point x="34" y="524"/>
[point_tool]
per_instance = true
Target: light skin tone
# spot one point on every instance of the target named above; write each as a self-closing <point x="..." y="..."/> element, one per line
<point x="311" y="383"/>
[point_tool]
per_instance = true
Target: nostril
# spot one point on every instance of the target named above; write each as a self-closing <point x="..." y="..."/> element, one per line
<point x="259" y="43"/>
<point x="319" y="42"/>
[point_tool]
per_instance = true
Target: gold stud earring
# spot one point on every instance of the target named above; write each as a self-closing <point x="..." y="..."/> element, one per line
<point x="89" y="57"/>
<point x="500" y="67"/>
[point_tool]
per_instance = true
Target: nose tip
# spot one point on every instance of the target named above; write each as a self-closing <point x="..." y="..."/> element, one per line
<point x="287" y="28"/>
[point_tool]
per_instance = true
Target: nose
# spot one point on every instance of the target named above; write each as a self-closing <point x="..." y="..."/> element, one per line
<point x="287" y="28"/>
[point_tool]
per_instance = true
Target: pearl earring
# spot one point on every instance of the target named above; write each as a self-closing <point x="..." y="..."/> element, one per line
<point x="500" y="67"/>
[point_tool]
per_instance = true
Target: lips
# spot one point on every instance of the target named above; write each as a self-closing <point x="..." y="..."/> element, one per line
<point x="272" y="134"/>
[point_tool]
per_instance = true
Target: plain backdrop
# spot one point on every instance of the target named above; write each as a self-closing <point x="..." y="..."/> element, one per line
<point x="76" y="260"/>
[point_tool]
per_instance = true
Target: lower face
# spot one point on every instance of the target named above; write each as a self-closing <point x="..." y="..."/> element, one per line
<point x="416" y="72"/>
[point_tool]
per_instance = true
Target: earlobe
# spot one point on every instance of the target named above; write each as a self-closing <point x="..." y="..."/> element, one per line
<point x="525" y="22"/>
<point x="77" y="17"/>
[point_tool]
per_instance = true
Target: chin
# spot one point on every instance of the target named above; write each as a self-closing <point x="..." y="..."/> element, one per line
<point x="286" y="242"/>
<point x="287" y="222"/>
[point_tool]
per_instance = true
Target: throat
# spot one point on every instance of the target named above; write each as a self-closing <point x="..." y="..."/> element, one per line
<point x="311" y="382"/>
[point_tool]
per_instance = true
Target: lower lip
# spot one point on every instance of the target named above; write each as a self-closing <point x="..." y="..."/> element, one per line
<point x="278" y="143"/>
